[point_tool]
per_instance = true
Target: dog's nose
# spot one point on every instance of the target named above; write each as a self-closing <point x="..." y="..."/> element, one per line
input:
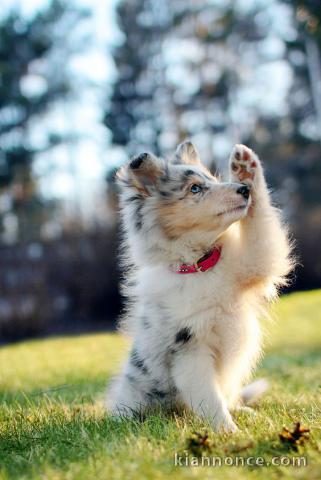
<point x="244" y="190"/>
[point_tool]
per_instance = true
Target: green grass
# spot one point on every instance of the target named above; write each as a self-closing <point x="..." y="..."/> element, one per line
<point x="53" y="426"/>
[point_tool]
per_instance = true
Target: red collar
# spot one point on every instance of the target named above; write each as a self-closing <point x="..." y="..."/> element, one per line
<point x="205" y="263"/>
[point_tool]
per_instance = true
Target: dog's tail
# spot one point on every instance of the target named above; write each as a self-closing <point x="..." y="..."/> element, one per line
<point x="253" y="391"/>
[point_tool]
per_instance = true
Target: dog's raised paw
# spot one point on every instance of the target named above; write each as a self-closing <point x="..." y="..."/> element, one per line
<point x="243" y="164"/>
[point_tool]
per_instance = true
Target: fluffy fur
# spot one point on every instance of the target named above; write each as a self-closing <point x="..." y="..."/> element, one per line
<point x="196" y="337"/>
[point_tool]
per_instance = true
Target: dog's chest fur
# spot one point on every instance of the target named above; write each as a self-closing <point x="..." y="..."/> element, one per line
<point x="176" y="310"/>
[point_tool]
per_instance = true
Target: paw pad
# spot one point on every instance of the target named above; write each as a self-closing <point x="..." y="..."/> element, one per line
<point x="243" y="163"/>
<point x="246" y="154"/>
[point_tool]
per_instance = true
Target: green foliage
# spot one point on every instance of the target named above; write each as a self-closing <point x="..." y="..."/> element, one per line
<point x="52" y="423"/>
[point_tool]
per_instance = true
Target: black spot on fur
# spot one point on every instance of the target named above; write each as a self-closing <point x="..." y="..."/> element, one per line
<point x="138" y="362"/>
<point x="188" y="173"/>
<point x="157" y="394"/>
<point x="137" y="161"/>
<point x="133" y="198"/>
<point x="163" y="193"/>
<point x="184" y="335"/>
<point x="139" y="217"/>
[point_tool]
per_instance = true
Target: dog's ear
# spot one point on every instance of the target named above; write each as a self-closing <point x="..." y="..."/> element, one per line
<point x="142" y="173"/>
<point x="186" y="153"/>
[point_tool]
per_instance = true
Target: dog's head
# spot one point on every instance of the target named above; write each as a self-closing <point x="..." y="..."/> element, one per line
<point x="180" y="199"/>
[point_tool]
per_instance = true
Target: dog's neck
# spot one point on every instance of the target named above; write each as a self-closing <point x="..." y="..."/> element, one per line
<point x="191" y="250"/>
<point x="160" y="251"/>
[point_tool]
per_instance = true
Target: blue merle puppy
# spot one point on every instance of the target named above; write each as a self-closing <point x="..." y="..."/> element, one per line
<point x="207" y="254"/>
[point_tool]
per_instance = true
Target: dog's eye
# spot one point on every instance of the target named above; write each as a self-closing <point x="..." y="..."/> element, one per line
<point x="196" y="188"/>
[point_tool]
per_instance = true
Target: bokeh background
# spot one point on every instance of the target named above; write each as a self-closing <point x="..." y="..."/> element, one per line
<point x="85" y="84"/>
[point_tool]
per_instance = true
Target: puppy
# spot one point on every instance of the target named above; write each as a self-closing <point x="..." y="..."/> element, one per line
<point x="206" y="256"/>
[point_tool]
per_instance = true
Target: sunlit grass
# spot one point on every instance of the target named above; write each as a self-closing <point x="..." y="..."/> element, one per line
<point x="53" y="426"/>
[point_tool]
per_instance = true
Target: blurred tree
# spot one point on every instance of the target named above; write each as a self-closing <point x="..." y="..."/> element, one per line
<point x="206" y="56"/>
<point x="305" y="103"/>
<point x="179" y="70"/>
<point x="131" y="114"/>
<point x="34" y="56"/>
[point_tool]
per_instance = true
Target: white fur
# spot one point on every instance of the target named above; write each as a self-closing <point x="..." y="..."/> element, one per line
<point x="219" y="307"/>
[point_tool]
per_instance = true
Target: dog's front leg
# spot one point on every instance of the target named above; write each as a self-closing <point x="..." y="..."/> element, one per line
<point x="194" y="377"/>
<point x="264" y="247"/>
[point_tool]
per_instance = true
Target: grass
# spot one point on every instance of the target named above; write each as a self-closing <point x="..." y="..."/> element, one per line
<point x="53" y="426"/>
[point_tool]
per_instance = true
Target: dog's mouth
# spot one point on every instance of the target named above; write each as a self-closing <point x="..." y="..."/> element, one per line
<point x="233" y="210"/>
